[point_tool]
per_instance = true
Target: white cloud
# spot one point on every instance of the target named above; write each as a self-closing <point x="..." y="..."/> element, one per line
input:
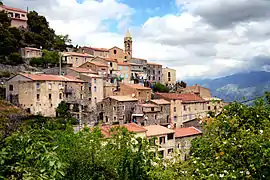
<point x="208" y="39"/>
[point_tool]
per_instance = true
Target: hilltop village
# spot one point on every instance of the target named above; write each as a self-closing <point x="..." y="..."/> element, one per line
<point x="110" y="87"/>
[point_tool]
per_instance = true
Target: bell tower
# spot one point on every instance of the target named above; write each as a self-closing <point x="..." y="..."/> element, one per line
<point x="128" y="45"/>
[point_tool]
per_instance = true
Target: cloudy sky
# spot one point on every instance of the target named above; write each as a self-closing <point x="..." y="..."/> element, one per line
<point x="199" y="38"/>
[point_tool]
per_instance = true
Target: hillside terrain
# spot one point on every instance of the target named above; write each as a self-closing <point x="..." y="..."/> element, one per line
<point x="237" y="87"/>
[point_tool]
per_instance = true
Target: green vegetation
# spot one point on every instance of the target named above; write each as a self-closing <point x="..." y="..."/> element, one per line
<point x="160" y="88"/>
<point x="5" y="74"/>
<point x="38" y="35"/>
<point x="235" y="145"/>
<point x="48" y="58"/>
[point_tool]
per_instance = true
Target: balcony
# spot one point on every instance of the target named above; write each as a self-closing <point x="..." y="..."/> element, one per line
<point x="68" y="91"/>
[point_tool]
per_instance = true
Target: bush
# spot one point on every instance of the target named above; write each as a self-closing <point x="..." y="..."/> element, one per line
<point x="14" y="59"/>
<point x="37" y="62"/>
<point x="4" y="74"/>
<point x="160" y="88"/>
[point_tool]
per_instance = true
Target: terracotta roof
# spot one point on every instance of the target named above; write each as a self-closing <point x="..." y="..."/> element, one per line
<point x="50" y="77"/>
<point x="139" y="59"/>
<point x="83" y="70"/>
<point x="76" y="54"/>
<point x="131" y="127"/>
<point x="134" y="64"/>
<point x="97" y="49"/>
<point x="137" y="86"/>
<point x="156" y="130"/>
<point x="123" y="98"/>
<point x="14" y="9"/>
<point x="110" y="59"/>
<point x="31" y="48"/>
<point x="123" y="64"/>
<point x="150" y="63"/>
<point x="116" y="47"/>
<point x="183" y="97"/>
<point x="160" y="101"/>
<point x="185" y="132"/>
<point x="98" y="64"/>
<point x="148" y="105"/>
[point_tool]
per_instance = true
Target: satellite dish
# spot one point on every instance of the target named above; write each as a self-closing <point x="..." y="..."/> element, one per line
<point x="133" y="95"/>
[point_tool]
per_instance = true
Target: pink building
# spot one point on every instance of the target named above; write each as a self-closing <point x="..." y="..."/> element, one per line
<point x="18" y="16"/>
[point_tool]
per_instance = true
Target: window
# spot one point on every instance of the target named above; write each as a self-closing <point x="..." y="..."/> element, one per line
<point x="169" y="74"/>
<point x="50" y="86"/>
<point x="185" y="117"/>
<point x="114" y="51"/>
<point x="159" y="78"/>
<point x="161" y="153"/>
<point x="17" y="15"/>
<point x="51" y="105"/>
<point x="76" y="59"/>
<point x="215" y="107"/>
<point x="168" y="119"/>
<point x="95" y="89"/>
<point x="154" y="72"/>
<point x="162" y="140"/>
<point x="175" y="118"/>
<point x="38" y="97"/>
<point x="152" y="109"/>
<point x="60" y="96"/>
<point x="155" y="116"/>
<point x="114" y="108"/>
<point x="95" y="99"/>
<point x="154" y="78"/>
<point x="185" y="108"/>
<point x="81" y="88"/>
<point x="120" y="67"/>
<point x="111" y="65"/>
<point x="125" y="57"/>
<point x="174" y="109"/>
<point x="158" y="72"/>
<point x="139" y="93"/>
<point x="161" y="108"/>
<point x="10" y="14"/>
<point x="114" y="118"/>
<point x="209" y="108"/>
<point x="95" y="80"/>
<point x="38" y="85"/>
<point x="126" y="67"/>
<point x="10" y="87"/>
<point x="81" y="96"/>
<point x="127" y="76"/>
<point x="170" y="136"/>
<point x="170" y="151"/>
<point x="50" y="96"/>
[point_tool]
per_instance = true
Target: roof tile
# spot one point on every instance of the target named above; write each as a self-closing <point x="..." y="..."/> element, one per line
<point x="156" y="130"/>
<point x="185" y="132"/>
<point x="50" y="77"/>
<point x="184" y="97"/>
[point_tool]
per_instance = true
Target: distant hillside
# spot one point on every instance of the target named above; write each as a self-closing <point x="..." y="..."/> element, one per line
<point x="237" y="86"/>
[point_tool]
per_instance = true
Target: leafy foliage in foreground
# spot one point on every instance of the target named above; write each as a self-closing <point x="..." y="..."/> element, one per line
<point x="235" y="145"/>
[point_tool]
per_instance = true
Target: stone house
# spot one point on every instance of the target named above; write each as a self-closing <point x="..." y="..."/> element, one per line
<point x="154" y="73"/>
<point x="95" y="87"/>
<point x="163" y="137"/>
<point x="96" y="52"/>
<point x="183" y="138"/>
<point x="109" y="89"/>
<point x="18" y="16"/>
<point x="41" y="93"/>
<point x="29" y="52"/>
<point x="118" y="54"/>
<point x="100" y="68"/>
<point x="131" y="127"/>
<point x="168" y="76"/>
<point x="184" y="107"/>
<point x="199" y="90"/>
<point x="124" y="69"/>
<point x="116" y="109"/>
<point x="74" y="59"/>
<point x="143" y="94"/>
<point x="157" y="112"/>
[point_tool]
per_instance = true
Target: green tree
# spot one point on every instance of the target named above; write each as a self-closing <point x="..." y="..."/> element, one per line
<point x="267" y="96"/>
<point x="60" y="42"/>
<point x="62" y="110"/>
<point x="4" y="19"/>
<point x="160" y="88"/>
<point x="235" y="145"/>
<point x="31" y="155"/>
<point x="15" y="59"/>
